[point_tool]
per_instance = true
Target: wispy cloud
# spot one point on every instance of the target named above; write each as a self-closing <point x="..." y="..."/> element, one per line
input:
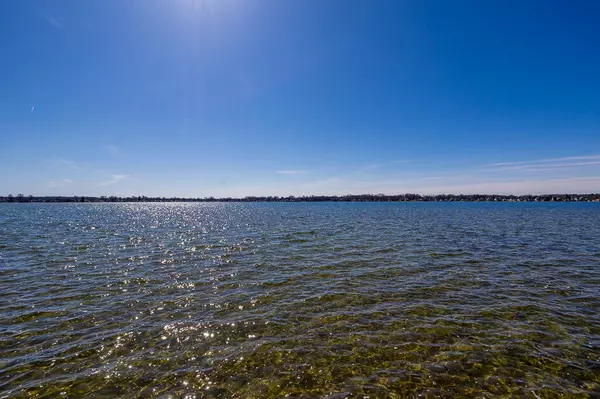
<point x="325" y="186"/>
<point x="545" y="161"/>
<point x="292" y="172"/>
<point x="458" y="185"/>
<point x="113" y="150"/>
<point x="114" y="179"/>
<point x="67" y="162"/>
<point x="59" y="183"/>
<point x="544" y="165"/>
<point x="32" y="109"/>
<point x="370" y="167"/>
<point x="53" y="21"/>
<point x="538" y="186"/>
<point x="431" y="178"/>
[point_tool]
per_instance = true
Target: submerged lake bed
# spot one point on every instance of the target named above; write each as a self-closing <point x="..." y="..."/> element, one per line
<point x="300" y="300"/>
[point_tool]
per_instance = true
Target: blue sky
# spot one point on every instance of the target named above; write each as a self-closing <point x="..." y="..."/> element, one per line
<point x="248" y="97"/>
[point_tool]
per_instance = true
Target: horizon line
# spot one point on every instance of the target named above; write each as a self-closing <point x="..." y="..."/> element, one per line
<point x="284" y="197"/>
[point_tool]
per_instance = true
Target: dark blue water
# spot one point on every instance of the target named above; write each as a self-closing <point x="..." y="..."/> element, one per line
<point x="378" y="300"/>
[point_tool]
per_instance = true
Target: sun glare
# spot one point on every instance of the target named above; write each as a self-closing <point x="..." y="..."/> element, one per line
<point x="222" y="18"/>
<point x="214" y="9"/>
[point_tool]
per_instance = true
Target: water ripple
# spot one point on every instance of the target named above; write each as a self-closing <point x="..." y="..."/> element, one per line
<point x="334" y="300"/>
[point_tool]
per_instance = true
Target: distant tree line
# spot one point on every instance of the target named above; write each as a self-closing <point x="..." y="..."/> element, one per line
<point x="324" y="198"/>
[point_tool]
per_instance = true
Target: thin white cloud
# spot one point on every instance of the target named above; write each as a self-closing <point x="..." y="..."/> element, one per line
<point x="462" y="185"/>
<point x="540" y="167"/>
<point x="113" y="150"/>
<point x="548" y="160"/>
<point x="66" y="162"/>
<point x="32" y="109"/>
<point x="292" y="172"/>
<point x="53" y="21"/>
<point x="114" y="179"/>
<point x="370" y="167"/>
<point x="431" y="178"/>
<point x="519" y="187"/>
<point x="106" y="183"/>
<point x="333" y="185"/>
<point x="59" y="183"/>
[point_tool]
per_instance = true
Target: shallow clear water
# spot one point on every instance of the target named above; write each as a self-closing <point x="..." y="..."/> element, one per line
<point x="299" y="300"/>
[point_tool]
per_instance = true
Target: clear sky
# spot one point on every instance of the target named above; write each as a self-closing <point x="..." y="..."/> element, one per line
<point x="271" y="97"/>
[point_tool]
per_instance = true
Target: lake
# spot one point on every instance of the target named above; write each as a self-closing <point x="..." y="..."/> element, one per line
<point x="299" y="300"/>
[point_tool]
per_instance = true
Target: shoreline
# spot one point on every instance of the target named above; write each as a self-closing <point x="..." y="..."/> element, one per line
<point x="594" y="197"/>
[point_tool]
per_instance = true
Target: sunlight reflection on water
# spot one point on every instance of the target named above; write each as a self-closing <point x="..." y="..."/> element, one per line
<point x="304" y="300"/>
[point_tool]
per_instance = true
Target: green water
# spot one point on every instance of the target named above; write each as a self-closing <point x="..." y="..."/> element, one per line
<point x="299" y="300"/>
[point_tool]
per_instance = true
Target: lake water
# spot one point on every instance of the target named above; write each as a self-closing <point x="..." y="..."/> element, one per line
<point x="334" y="300"/>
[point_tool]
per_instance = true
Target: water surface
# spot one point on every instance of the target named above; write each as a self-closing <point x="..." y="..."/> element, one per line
<point x="378" y="300"/>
